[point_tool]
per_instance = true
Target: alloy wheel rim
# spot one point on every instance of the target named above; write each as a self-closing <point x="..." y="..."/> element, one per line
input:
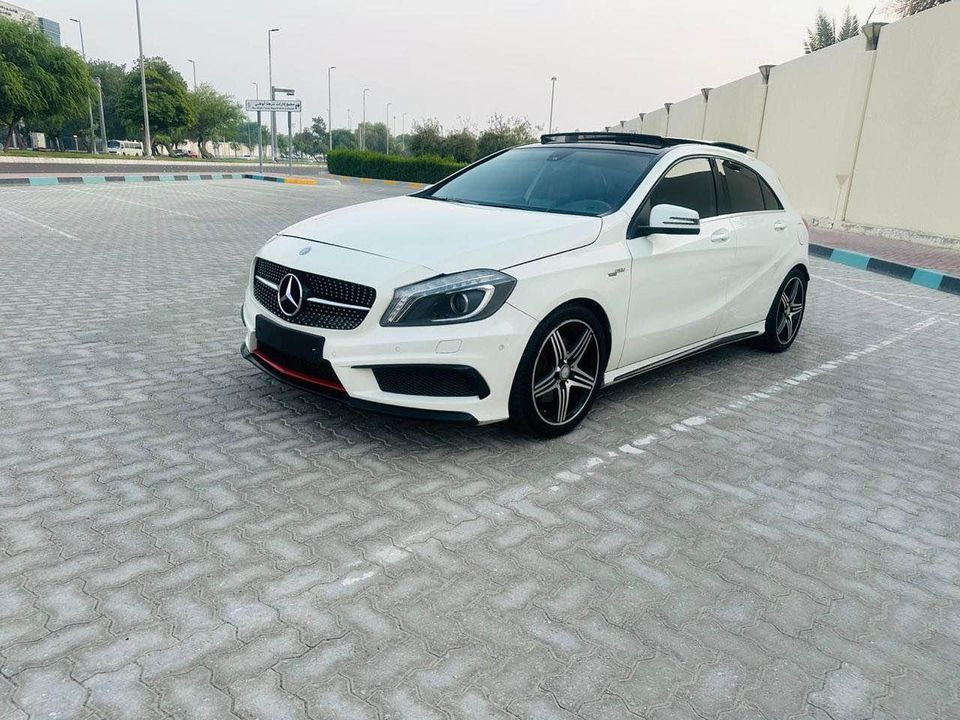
<point x="790" y="311"/>
<point x="565" y="372"/>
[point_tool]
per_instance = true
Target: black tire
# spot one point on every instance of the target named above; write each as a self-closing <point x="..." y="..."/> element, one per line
<point x="786" y="313"/>
<point x="543" y="379"/>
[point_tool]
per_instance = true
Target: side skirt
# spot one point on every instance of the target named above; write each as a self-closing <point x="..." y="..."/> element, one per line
<point x="683" y="354"/>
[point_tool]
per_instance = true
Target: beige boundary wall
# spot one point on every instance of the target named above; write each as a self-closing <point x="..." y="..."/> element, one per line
<point x="865" y="132"/>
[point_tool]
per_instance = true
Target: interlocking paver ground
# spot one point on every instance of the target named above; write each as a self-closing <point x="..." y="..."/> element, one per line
<point x="741" y="535"/>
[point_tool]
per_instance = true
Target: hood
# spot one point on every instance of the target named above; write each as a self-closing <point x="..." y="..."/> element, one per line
<point x="445" y="236"/>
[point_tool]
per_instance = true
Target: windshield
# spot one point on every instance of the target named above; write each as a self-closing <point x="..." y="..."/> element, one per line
<point x="113" y="144"/>
<point x="572" y="180"/>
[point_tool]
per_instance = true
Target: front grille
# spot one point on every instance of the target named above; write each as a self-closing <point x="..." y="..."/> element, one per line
<point x="316" y="286"/>
<point x="431" y="380"/>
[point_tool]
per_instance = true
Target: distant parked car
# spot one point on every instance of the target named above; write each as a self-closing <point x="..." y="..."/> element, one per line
<point x="184" y="153"/>
<point x="519" y="286"/>
<point x="125" y="147"/>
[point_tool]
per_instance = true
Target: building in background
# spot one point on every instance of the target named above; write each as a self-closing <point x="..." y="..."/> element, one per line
<point x="51" y="29"/>
<point x="15" y="12"/>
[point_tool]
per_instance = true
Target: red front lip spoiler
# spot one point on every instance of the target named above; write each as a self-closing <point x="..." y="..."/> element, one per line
<point x="302" y="377"/>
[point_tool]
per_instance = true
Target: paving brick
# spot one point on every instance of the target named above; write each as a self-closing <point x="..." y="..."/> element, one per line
<point x="739" y="535"/>
<point x="50" y="692"/>
<point x="120" y="694"/>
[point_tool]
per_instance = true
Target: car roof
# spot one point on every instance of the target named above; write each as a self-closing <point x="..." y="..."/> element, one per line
<point x="657" y="142"/>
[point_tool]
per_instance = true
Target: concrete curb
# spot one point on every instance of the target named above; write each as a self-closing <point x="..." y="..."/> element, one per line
<point x="932" y="279"/>
<point x="395" y="183"/>
<point x="97" y="179"/>
<point x="291" y="180"/>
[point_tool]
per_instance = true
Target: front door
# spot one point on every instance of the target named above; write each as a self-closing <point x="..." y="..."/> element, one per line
<point x="678" y="282"/>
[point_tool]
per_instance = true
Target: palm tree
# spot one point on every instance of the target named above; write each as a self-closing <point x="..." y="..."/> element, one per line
<point x="912" y="7"/>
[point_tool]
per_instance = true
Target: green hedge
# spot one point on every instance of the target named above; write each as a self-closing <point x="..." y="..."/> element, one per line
<point x="360" y="163"/>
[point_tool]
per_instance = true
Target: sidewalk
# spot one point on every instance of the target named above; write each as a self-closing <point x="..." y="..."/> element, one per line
<point x="932" y="257"/>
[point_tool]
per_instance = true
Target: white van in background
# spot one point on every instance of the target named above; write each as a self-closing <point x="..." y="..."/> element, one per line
<point x="125" y="147"/>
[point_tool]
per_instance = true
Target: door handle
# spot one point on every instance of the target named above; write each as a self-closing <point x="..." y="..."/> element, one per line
<point x="779" y="226"/>
<point x="720" y="236"/>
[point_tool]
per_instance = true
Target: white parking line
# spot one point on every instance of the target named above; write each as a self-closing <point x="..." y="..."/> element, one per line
<point x="134" y="202"/>
<point x="888" y="301"/>
<point x="632" y="449"/>
<point x="37" y="222"/>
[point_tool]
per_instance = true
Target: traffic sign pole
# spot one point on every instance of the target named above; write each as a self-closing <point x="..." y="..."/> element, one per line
<point x="289" y="143"/>
<point x="260" y="141"/>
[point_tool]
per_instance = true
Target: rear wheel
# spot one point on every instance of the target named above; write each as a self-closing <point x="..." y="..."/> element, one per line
<point x="559" y="374"/>
<point x="786" y="313"/>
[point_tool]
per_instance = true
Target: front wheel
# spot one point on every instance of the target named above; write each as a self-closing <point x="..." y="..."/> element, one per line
<point x="786" y="313"/>
<point x="559" y="373"/>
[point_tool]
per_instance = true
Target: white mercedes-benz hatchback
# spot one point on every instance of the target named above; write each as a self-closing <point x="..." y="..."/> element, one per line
<point x="519" y="286"/>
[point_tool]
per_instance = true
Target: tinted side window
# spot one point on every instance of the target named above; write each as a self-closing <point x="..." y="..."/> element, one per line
<point x="770" y="201"/>
<point x="743" y="188"/>
<point x="688" y="184"/>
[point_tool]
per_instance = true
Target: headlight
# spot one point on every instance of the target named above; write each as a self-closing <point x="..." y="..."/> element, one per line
<point x="461" y="297"/>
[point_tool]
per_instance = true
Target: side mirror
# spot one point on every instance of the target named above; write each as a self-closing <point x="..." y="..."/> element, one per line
<point x="670" y="220"/>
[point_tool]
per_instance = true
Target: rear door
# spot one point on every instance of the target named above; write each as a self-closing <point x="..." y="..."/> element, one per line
<point x="678" y="282"/>
<point x="764" y="235"/>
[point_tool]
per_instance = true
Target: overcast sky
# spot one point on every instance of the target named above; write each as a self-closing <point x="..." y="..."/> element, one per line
<point x="457" y="61"/>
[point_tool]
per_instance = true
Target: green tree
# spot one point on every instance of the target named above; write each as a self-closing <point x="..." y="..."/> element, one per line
<point x="504" y="133"/>
<point x="850" y="27"/>
<point x="912" y="7"/>
<point x="461" y="146"/>
<point x="171" y="111"/>
<point x="375" y="137"/>
<point x="41" y="84"/>
<point x="111" y="81"/>
<point x="822" y="34"/>
<point x="318" y="126"/>
<point x="214" y="115"/>
<point x="247" y="133"/>
<point x="825" y="33"/>
<point x="426" y="138"/>
<point x="307" y="142"/>
<point x="344" y="139"/>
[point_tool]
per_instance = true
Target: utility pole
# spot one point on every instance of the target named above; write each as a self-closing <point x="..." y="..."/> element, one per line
<point x="194" y="63"/>
<point x="553" y="89"/>
<point x="388" y="128"/>
<point x="103" y="124"/>
<point x="363" y="122"/>
<point x="403" y="131"/>
<point x="83" y="52"/>
<point x="147" y="145"/>
<point x="330" y="105"/>
<point x="273" y="115"/>
<point x="256" y="88"/>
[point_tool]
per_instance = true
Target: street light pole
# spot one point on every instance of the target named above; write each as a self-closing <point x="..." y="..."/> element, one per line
<point x="256" y="88"/>
<point x="194" y="63"/>
<point x="147" y="145"/>
<point x="363" y="122"/>
<point x="403" y="131"/>
<point x="330" y="105"/>
<point x="553" y="89"/>
<point x="273" y="115"/>
<point x="83" y="51"/>
<point x="388" y="128"/>
<point x="103" y="124"/>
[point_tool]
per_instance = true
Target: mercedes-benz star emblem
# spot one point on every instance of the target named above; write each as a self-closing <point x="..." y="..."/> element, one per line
<point x="290" y="295"/>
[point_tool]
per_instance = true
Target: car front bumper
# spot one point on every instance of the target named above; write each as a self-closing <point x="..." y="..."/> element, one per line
<point x="491" y="347"/>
